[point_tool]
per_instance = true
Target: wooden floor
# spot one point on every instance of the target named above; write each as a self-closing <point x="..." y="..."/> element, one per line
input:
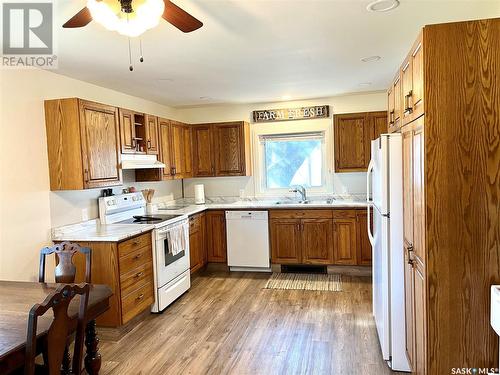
<point x="228" y="324"/>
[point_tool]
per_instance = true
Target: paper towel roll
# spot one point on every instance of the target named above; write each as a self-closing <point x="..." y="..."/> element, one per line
<point x="199" y="194"/>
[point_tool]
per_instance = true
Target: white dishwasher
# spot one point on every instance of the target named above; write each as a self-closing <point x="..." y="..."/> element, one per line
<point x="248" y="241"/>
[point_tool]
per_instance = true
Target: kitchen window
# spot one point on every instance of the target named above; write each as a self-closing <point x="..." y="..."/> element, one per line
<point x="288" y="160"/>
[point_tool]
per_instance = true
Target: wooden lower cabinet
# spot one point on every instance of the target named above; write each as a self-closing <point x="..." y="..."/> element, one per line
<point x="285" y="241"/>
<point x="319" y="237"/>
<point x="197" y="243"/>
<point x="419" y="360"/>
<point x="216" y="236"/>
<point x="317" y="241"/>
<point x="127" y="268"/>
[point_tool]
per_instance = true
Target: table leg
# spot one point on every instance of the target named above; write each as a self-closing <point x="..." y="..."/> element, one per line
<point x="92" y="358"/>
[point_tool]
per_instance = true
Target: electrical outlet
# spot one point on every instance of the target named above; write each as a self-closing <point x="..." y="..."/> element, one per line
<point x="85" y="214"/>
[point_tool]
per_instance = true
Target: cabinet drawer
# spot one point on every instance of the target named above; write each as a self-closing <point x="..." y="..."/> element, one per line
<point x="135" y="259"/>
<point x="137" y="302"/>
<point x="344" y="214"/>
<point x="136" y="278"/>
<point x="300" y="214"/>
<point x="133" y="244"/>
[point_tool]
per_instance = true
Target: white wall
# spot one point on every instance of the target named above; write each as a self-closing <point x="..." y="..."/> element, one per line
<point x="28" y="208"/>
<point x="354" y="183"/>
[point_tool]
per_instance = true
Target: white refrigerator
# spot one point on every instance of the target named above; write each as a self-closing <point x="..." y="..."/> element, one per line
<point x="385" y="197"/>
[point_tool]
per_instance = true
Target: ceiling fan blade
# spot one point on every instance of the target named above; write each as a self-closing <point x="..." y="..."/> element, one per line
<point x="82" y="18"/>
<point x="180" y="18"/>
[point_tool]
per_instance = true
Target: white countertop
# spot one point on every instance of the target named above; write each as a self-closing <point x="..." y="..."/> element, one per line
<point x="92" y="231"/>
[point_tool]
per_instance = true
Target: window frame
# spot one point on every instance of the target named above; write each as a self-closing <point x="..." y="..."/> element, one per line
<point x="287" y="128"/>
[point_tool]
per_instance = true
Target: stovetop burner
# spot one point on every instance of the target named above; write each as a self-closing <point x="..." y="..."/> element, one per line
<point x="148" y="219"/>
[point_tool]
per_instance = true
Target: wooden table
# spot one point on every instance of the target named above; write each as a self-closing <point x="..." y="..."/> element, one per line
<point x="16" y="300"/>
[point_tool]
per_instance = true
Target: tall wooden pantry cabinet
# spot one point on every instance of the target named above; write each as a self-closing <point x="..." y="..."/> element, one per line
<point x="450" y="108"/>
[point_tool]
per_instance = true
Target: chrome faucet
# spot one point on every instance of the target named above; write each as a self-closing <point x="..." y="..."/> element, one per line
<point x="301" y="190"/>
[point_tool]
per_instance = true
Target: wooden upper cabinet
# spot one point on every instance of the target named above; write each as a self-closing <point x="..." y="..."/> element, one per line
<point x="231" y="147"/>
<point x="127" y="131"/>
<point x="188" y="151"/>
<point x="317" y="241"/>
<point x="413" y="82"/>
<point x="379" y="123"/>
<point x="352" y="134"/>
<point x="345" y="240"/>
<point x="165" y="147"/>
<point x="394" y="105"/>
<point x="181" y="150"/>
<point x="216" y="236"/>
<point x="285" y="241"/>
<point x="152" y="137"/>
<point x="221" y="149"/>
<point x="83" y="142"/>
<point x="203" y="155"/>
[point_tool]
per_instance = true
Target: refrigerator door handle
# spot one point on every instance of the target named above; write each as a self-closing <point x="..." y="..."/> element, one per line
<point x="369" y="181"/>
<point x="368" y="225"/>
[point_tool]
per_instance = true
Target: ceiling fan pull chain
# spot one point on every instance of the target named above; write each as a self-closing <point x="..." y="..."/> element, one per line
<point x="131" y="67"/>
<point x="141" y="59"/>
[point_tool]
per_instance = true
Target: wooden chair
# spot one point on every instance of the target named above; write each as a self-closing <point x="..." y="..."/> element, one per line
<point x="65" y="270"/>
<point x="58" y="332"/>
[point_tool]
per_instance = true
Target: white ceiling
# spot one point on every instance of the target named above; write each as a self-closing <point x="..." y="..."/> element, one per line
<point x="257" y="50"/>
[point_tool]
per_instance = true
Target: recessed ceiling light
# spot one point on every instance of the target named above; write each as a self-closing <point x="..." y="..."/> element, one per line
<point x="365" y="84"/>
<point x="371" y="58"/>
<point x="205" y="97"/>
<point x="164" y="79"/>
<point x="382" y="5"/>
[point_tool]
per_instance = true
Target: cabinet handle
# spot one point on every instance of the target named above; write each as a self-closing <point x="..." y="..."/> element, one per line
<point x="149" y="144"/>
<point x="391" y="118"/>
<point x="139" y="274"/>
<point x="134" y="143"/>
<point x="411" y="261"/>
<point x="86" y="172"/>
<point x="408" y="109"/>
<point x="173" y="171"/>
<point x="141" y="296"/>
<point x="138" y="256"/>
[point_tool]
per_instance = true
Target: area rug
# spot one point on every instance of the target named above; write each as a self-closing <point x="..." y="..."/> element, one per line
<point x="304" y="281"/>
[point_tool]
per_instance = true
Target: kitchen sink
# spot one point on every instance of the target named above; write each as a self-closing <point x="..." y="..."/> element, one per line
<point x="323" y="201"/>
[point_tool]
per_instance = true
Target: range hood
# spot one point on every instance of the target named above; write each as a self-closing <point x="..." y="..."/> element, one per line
<point x="140" y="162"/>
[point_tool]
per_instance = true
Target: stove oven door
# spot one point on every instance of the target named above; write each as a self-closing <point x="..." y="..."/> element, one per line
<point x="169" y="266"/>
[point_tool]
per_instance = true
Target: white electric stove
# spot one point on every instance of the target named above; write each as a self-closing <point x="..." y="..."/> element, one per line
<point x="171" y="271"/>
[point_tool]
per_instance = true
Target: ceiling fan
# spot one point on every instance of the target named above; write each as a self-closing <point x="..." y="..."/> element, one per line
<point x="133" y="17"/>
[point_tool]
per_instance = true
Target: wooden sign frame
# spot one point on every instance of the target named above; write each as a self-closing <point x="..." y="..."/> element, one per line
<point x="290" y="114"/>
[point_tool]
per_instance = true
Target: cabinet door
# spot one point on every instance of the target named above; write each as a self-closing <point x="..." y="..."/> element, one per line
<point x="417" y="98"/>
<point x="203" y="164"/>
<point x="285" y="241"/>
<point x="152" y="139"/>
<point x="418" y="189"/>
<point x="165" y="151"/>
<point x="352" y="134"/>
<point x="419" y="363"/>
<point x="409" y="307"/>
<point x="216" y="237"/>
<point x="127" y="131"/>
<point x="407" y="87"/>
<point x="397" y="103"/>
<point x="407" y="141"/>
<point x="196" y="243"/>
<point x="100" y="145"/>
<point x="364" y="245"/>
<point x="178" y="150"/>
<point x="390" y="107"/>
<point x="317" y="241"/>
<point x="379" y="123"/>
<point x="229" y="149"/>
<point x="188" y="147"/>
<point x="344" y="241"/>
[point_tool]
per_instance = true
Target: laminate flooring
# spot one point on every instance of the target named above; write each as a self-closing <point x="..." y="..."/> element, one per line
<point x="228" y="324"/>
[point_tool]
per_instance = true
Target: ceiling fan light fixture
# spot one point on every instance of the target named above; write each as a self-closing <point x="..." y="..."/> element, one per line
<point x="146" y="15"/>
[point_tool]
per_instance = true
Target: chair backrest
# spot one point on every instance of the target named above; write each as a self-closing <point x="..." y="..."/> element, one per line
<point x="65" y="270"/>
<point x="59" y="329"/>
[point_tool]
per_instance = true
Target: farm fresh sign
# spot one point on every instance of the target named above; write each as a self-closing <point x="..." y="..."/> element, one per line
<point x="285" y="114"/>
